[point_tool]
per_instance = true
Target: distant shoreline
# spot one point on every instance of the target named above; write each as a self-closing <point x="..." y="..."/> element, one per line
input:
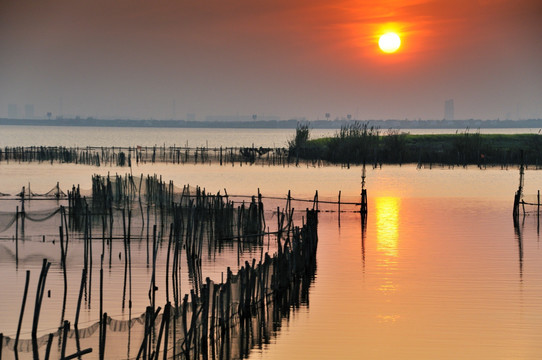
<point x="280" y="124"/>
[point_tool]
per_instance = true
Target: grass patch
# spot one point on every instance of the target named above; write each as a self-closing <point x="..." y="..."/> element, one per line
<point x="358" y="143"/>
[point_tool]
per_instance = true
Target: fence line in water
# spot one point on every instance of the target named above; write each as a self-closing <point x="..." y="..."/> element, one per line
<point x="221" y="321"/>
<point x="280" y="156"/>
<point x="194" y="216"/>
<point x="128" y="156"/>
<point x="150" y="190"/>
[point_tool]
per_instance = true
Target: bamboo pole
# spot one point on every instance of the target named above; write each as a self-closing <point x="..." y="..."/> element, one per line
<point x="65" y="329"/>
<point x="17" y="236"/>
<point x="48" y="348"/>
<point x="103" y="336"/>
<point x="22" y="312"/>
<point x="37" y="308"/>
<point x="82" y="286"/>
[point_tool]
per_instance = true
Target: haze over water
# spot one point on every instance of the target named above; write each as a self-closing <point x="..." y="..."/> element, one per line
<point x="304" y="59"/>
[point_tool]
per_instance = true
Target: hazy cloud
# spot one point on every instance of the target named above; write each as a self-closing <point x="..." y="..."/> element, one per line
<point x="135" y="58"/>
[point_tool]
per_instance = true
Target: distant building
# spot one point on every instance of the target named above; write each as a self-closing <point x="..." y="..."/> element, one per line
<point x="190" y="117"/>
<point x="12" y="111"/>
<point x="449" y="110"/>
<point x="29" y="111"/>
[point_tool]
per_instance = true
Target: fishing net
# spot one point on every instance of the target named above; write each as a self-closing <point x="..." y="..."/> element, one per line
<point x="255" y="294"/>
<point x="8" y="219"/>
<point x="225" y="321"/>
<point x="530" y="203"/>
<point x="235" y="315"/>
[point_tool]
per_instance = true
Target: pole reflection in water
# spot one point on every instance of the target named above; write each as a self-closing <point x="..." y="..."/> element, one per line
<point x="363" y="220"/>
<point x="517" y="231"/>
<point x="218" y="320"/>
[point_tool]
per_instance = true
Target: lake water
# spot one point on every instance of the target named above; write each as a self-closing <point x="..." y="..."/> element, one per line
<point x="96" y="136"/>
<point x="439" y="272"/>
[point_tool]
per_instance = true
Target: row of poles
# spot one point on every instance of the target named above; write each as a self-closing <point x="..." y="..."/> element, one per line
<point x="127" y="156"/>
<point x="64" y="250"/>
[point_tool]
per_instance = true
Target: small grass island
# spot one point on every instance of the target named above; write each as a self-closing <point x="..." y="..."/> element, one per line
<point x="360" y="143"/>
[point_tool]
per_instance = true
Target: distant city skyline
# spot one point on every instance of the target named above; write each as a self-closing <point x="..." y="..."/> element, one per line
<point x="302" y="59"/>
<point x="30" y="113"/>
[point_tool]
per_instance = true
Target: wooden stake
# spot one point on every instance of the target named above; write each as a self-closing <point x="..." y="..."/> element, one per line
<point x="22" y="312"/>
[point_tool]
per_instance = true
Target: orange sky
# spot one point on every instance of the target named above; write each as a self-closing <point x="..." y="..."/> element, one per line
<point x="286" y="58"/>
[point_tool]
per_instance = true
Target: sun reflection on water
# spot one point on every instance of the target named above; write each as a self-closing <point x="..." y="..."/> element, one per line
<point x="387" y="237"/>
<point x="387" y="225"/>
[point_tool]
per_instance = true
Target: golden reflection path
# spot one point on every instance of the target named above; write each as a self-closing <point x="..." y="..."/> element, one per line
<point x="387" y="237"/>
<point x="387" y="225"/>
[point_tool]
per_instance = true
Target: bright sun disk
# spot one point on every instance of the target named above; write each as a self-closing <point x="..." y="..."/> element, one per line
<point x="389" y="42"/>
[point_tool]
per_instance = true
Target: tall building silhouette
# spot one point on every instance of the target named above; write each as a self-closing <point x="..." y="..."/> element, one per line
<point x="449" y="109"/>
<point x="29" y="111"/>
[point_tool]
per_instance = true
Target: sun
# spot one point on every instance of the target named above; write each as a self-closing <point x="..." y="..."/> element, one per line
<point x="389" y="42"/>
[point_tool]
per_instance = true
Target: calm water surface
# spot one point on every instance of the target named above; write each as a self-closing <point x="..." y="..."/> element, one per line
<point x="96" y="136"/>
<point x="439" y="272"/>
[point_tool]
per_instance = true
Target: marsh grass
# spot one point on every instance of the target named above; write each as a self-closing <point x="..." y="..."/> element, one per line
<point x="358" y="143"/>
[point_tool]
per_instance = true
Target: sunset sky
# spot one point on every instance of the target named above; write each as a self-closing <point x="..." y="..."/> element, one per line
<point x="301" y="58"/>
